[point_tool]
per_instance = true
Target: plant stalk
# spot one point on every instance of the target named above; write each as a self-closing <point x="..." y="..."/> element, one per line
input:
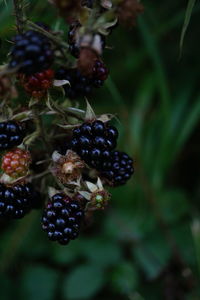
<point x="19" y="15"/>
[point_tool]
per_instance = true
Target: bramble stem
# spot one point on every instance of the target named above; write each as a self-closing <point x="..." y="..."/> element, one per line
<point x="19" y="14"/>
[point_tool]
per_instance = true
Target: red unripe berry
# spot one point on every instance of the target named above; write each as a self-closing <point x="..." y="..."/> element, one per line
<point x="37" y="85"/>
<point x="15" y="163"/>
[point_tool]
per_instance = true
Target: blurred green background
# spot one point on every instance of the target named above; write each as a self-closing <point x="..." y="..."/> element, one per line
<point x="146" y="245"/>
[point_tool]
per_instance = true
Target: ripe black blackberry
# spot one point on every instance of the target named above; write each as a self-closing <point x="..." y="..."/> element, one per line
<point x="16" y="201"/>
<point x="31" y="53"/>
<point x="11" y="134"/>
<point x="62" y="219"/>
<point x="94" y="142"/>
<point x="118" y="169"/>
<point x="80" y="85"/>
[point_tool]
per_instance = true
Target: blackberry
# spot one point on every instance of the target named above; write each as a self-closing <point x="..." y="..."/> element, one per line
<point x="16" y="201"/>
<point x="11" y="134"/>
<point x="15" y="163"/>
<point x="62" y="219"/>
<point x="31" y="53"/>
<point x="80" y="85"/>
<point x="100" y="73"/>
<point x="118" y="169"/>
<point x="37" y="84"/>
<point x="94" y="142"/>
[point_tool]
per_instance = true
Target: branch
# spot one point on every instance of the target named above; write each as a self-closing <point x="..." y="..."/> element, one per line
<point x="19" y="14"/>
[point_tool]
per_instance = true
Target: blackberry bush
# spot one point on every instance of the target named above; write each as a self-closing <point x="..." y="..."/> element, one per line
<point x="62" y="219"/>
<point x="41" y="60"/>
<point x="11" y="134"/>
<point x="31" y="53"/>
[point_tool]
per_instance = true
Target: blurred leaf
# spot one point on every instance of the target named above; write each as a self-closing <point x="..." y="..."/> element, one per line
<point x="102" y="252"/>
<point x="188" y="15"/>
<point x="152" y="47"/>
<point x="6" y="288"/>
<point x="130" y="225"/>
<point x="114" y="91"/>
<point x="189" y="124"/>
<point x="83" y="282"/>
<point x="66" y="255"/>
<point x="140" y="108"/>
<point x="125" y="278"/>
<point x="152" y="255"/>
<point x="173" y="205"/>
<point x="183" y="235"/>
<point x="38" y="281"/>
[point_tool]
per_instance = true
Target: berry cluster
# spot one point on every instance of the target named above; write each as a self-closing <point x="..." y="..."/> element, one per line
<point x="80" y="85"/>
<point x="16" y="201"/>
<point x="37" y="85"/>
<point x="118" y="169"/>
<point x="62" y="219"/>
<point x="16" y="162"/>
<point x="11" y="134"/>
<point x="31" y="53"/>
<point x="39" y="59"/>
<point x="95" y="143"/>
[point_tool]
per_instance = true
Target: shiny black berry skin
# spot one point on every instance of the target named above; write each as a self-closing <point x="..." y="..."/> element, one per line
<point x="80" y="85"/>
<point x="94" y="142"/>
<point x="62" y="219"/>
<point x="16" y="201"/>
<point x="11" y="134"/>
<point x="118" y="169"/>
<point x="31" y="53"/>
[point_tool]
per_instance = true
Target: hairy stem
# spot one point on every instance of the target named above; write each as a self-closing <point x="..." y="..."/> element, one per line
<point x="19" y="15"/>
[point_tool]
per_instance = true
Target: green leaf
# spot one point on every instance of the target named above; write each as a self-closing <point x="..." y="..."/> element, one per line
<point x="152" y="255"/>
<point x="102" y="252"/>
<point x="83" y="282"/>
<point x="173" y="205"/>
<point x="6" y="287"/>
<point x="39" y="281"/>
<point x="125" y="278"/>
<point x="188" y="15"/>
<point x="65" y="255"/>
